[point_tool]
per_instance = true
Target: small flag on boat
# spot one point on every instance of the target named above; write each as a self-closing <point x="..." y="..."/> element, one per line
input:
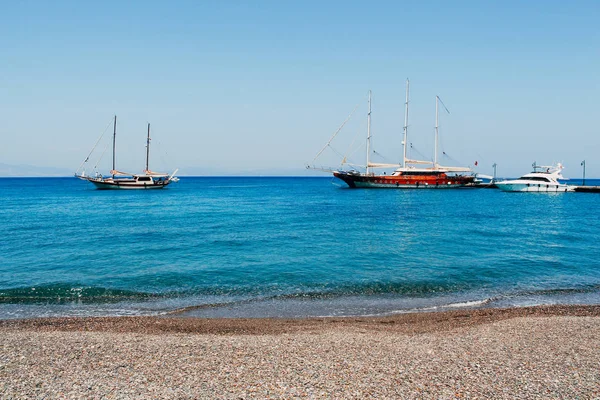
<point x="475" y="163"/>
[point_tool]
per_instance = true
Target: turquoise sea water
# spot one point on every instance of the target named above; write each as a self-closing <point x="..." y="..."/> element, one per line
<point x="289" y="247"/>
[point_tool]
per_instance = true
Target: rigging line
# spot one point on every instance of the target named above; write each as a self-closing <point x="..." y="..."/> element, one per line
<point x="441" y="145"/>
<point x="336" y="132"/>
<point x="448" y="111"/>
<point x="422" y="156"/>
<point x="450" y="158"/>
<point x="163" y="155"/>
<point x="350" y="152"/>
<point x="382" y="156"/>
<point x="159" y="153"/>
<point x="93" y="148"/>
<point x="101" y="155"/>
<point x="336" y="152"/>
<point x="355" y="150"/>
<point x="334" y="183"/>
<point x="445" y="154"/>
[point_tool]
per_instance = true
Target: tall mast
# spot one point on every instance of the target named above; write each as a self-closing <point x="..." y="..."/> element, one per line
<point x="114" y="144"/>
<point x="148" y="147"/>
<point x="405" y="126"/>
<point x="435" y="150"/>
<point x="369" y="133"/>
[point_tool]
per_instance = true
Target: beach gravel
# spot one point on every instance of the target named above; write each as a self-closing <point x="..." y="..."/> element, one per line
<point x="552" y="353"/>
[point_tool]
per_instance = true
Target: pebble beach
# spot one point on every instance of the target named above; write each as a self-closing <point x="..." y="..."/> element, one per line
<point x="531" y="352"/>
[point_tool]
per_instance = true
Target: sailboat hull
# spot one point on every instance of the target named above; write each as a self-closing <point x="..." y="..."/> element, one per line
<point x="126" y="185"/>
<point x="439" y="181"/>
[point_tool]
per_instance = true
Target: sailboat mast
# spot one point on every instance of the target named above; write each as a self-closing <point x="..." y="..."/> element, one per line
<point x="114" y="146"/>
<point x="435" y="150"/>
<point x="405" y="126"/>
<point x="148" y="148"/>
<point x="369" y="133"/>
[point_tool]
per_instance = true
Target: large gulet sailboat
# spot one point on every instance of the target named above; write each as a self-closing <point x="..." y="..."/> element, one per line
<point x="411" y="174"/>
<point x="124" y="180"/>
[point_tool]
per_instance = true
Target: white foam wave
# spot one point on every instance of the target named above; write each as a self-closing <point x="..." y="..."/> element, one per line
<point x="473" y="303"/>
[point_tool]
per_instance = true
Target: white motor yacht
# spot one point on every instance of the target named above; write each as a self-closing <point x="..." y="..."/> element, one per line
<point x="542" y="179"/>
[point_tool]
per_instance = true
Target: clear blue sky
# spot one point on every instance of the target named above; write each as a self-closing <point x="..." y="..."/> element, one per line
<point x="251" y="85"/>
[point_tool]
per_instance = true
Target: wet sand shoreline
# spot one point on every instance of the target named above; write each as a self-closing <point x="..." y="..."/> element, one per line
<point x="402" y="323"/>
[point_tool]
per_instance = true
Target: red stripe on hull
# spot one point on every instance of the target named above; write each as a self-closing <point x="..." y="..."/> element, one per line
<point x="440" y="180"/>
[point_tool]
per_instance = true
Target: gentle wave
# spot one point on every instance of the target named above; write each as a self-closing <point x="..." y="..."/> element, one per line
<point x="63" y="293"/>
<point x="446" y="306"/>
<point x="473" y="303"/>
<point x="316" y="297"/>
<point x="58" y="293"/>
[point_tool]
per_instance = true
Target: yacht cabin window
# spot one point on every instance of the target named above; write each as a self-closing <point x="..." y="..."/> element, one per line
<point x="536" y="178"/>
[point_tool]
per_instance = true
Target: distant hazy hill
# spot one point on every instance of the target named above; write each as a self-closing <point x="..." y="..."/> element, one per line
<point x="200" y="171"/>
<point x="7" y="170"/>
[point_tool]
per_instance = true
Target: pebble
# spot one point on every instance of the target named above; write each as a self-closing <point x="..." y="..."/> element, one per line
<point x="532" y="354"/>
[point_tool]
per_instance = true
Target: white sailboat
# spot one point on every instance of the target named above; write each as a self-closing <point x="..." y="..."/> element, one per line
<point x="124" y="180"/>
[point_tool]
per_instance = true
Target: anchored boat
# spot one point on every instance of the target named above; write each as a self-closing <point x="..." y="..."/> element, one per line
<point x="411" y="174"/>
<point x="542" y="179"/>
<point x="123" y="180"/>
